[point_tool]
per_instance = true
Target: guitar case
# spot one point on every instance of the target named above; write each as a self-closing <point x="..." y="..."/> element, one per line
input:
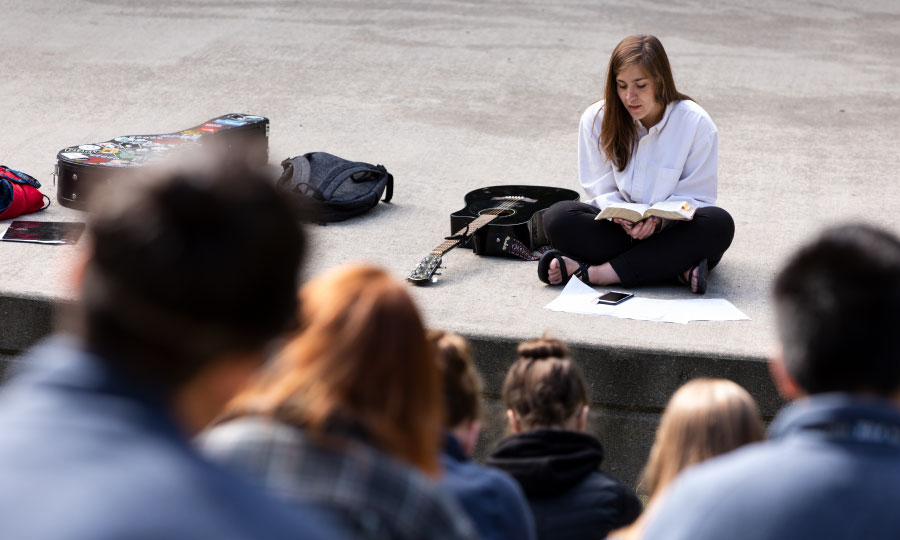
<point x="82" y="168"/>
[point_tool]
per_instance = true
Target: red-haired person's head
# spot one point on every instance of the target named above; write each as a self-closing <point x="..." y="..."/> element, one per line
<point x="361" y="358"/>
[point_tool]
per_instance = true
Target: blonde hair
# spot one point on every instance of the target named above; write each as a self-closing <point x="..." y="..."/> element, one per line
<point x="704" y="418"/>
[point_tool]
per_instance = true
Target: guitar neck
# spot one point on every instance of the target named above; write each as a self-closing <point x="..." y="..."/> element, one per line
<point x="463" y="234"/>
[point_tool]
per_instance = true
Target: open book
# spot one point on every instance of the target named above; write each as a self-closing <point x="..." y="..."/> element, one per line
<point x="636" y="212"/>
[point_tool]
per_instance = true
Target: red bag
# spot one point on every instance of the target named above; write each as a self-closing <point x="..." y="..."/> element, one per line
<point x="19" y="194"/>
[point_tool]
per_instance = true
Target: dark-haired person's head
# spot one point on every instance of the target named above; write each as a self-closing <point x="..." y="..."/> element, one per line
<point x="544" y="388"/>
<point x="189" y="266"/>
<point x="462" y="387"/>
<point x="837" y="304"/>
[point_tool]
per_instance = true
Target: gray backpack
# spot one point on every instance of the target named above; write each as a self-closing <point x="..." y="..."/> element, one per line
<point x="327" y="188"/>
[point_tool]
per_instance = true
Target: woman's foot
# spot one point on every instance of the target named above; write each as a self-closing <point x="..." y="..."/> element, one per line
<point x="554" y="268"/>
<point x="555" y="275"/>
<point x="695" y="277"/>
<point x="691" y="274"/>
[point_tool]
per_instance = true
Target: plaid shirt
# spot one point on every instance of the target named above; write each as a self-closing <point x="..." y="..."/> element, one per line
<point x="379" y="496"/>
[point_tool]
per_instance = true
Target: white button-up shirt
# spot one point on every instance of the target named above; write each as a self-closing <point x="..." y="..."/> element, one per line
<point x="676" y="160"/>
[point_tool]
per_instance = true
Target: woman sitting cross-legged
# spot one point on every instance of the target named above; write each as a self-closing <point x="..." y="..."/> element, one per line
<point x="646" y="143"/>
<point x="349" y="414"/>
<point x="493" y="500"/>
<point x="555" y="462"/>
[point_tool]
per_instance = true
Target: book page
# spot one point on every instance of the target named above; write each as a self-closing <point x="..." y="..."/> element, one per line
<point x="629" y="211"/>
<point x="671" y="210"/>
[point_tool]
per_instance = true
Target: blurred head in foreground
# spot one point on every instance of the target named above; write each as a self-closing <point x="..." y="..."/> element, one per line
<point x="704" y="418"/>
<point x="190" y="269"/>
<point x="361" y="362"/>
<point x="837" y="304"/>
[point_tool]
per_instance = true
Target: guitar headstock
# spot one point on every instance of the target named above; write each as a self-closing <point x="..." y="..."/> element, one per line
<point x="425" y="271"/>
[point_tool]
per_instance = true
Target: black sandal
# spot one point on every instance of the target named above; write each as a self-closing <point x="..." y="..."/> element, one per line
<point x="702" y="272"/>
<point x="544" y="268"/>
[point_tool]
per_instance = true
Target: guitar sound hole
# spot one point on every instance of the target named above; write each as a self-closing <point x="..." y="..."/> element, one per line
<point x="496" y="212"/>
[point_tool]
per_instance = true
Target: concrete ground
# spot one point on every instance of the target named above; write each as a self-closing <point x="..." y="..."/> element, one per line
<point x="451" y="96"/>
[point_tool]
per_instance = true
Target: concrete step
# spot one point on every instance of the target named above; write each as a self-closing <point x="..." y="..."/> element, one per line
<point x="629" y="386"/>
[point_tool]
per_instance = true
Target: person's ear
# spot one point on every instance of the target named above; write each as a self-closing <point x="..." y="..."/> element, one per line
<point x="513" y="420"/>
<point x="78" y="269"/>
<point x="466" y="434"/>
<point x="581" y="418"/>
<point x="472" y="431"/>
<point x="786" y="385"/>
<point x="203" y="397"/>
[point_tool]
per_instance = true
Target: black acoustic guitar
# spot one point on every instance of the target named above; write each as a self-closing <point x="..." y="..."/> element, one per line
<point x="496" y="221"/>
<point x="81" y="168"/>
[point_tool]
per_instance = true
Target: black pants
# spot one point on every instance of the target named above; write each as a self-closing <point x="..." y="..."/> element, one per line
<point x="571" y="228"/>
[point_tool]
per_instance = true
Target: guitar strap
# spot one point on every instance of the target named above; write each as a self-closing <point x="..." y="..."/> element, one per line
<point x="518" y="249"/>
<point x="510" y="245"/>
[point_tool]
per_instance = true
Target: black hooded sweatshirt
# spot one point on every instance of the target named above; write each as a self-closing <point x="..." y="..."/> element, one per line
<point x="559" y="471"/>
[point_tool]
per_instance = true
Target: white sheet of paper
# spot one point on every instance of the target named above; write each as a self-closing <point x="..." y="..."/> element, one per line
<point x="577" y="297"/>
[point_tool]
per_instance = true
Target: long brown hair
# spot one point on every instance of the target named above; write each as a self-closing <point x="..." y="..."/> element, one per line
<point x="362" y="355"/>
<point x="544" y="386"/>
<point x="704" y="418"/>
<point x="617" y="132"/>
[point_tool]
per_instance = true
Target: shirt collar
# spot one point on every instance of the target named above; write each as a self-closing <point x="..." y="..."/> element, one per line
<point x="659" y="125"/>
<point x="65" y="362"/>
<point x="453" y="448"/>
<point x="819" y="410"/>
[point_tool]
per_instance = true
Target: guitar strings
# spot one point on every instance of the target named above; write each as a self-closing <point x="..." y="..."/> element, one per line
<point x="489" y="215"/>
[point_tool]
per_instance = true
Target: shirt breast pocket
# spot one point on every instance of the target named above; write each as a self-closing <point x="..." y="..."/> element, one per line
<point x="664" y="183"/>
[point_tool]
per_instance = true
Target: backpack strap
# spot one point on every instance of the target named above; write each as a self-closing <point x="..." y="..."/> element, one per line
<point x="295" y="177"/>
<point x="389" y="186"/>
<point x="375" y="173"/>
<point x="18" y="177"/>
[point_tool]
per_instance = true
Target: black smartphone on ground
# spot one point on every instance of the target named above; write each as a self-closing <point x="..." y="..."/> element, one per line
<point x="613" y="298"/>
